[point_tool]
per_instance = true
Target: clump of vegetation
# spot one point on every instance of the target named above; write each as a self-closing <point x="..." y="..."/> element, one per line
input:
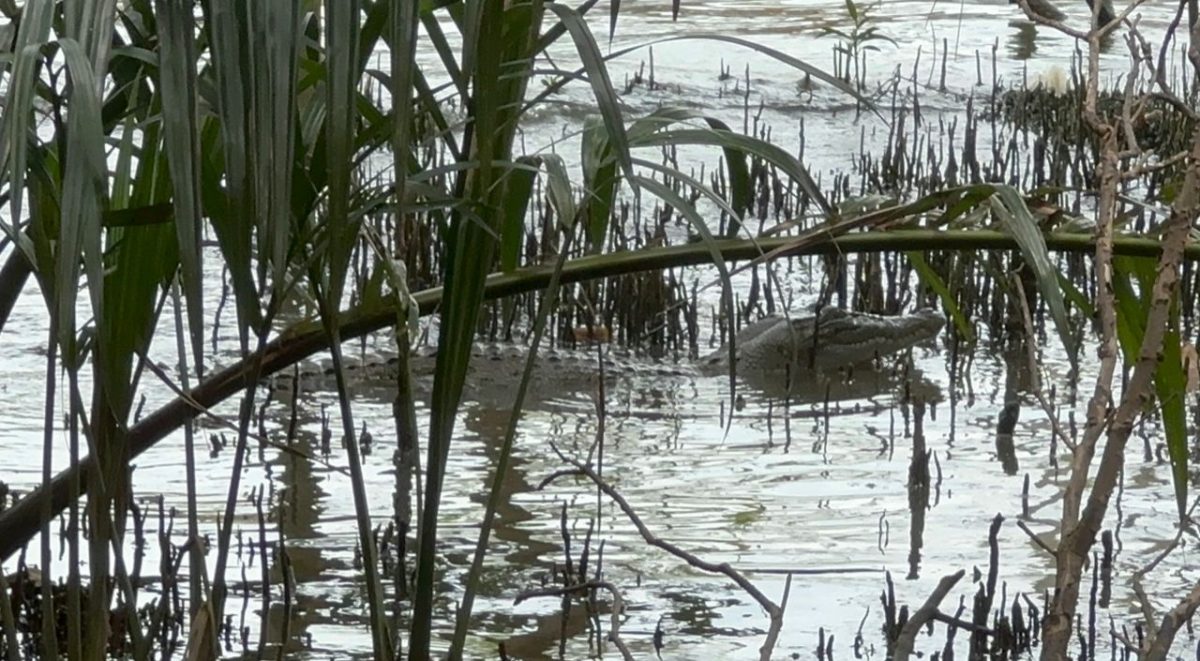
<point x="862" y="36"/>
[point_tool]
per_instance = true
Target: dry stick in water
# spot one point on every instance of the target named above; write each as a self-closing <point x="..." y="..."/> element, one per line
<point x="1158" y="643"/>
<point x="618" y="607"/>
<point x="1034" y="369"/>
<point x="1081" y="524"/>
<point x="927" y="612"/>
<point x="774" y="611"/>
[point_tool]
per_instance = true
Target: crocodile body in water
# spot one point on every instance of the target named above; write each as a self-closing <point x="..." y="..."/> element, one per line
<point x="800" y="347"/>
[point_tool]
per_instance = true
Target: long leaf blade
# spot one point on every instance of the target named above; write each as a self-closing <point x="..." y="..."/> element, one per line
<point x="602" y="87"/>
<point x="1021" y="225"/>
<point x="182" y="146"/>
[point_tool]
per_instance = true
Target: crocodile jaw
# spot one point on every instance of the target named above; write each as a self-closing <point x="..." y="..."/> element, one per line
<point x="843" y="339"/>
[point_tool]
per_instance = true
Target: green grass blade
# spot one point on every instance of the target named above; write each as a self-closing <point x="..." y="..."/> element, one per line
<point x="342" y="37"/>
<point x="741" y="189"/>
<point x="84" y="189"/>
<point x="375" y="30"/>
<point x="935" y="282"/>
<point x="18" y="108"/>
<point x="1131" y="310"/>
<point x="403" y="38"/>
<point x="677" y="202"/>
<point x="122" y="177"/>
<point x="549" y="302"/>
<point x="234" y="219"/>
<point x="600" y="172"/>
<point x="329" y="279"/>
<point x="1016" y="219"/>
<point x="90" y="22"/>
<point x="1077" y="298"/>
<point x="469" y="254"/>
<point x="559" y="184"/>
<point x="275" y="112"/>
<point x="745" y="145"/>
<point x="600" y="179"/>
<point x="141" y="258"/>
<point x="177" y="74"/>
<point x="602" y="88"/>
<point x="83" y="198"/>
<point x="1170" y="380"/>
<point x="694" y="183"/>
<point x="441" y="45"/>
<point x="964" y="202"/>
<point x="689" y="211"/>
<point x="518" y="189"/>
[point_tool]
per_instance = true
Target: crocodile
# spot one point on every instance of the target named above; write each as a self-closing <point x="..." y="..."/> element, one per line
<point x="823" y="341"/>
<point x="828" y="339"/>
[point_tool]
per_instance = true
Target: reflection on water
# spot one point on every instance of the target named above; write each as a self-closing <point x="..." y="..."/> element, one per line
<point x="1022" y="41"/>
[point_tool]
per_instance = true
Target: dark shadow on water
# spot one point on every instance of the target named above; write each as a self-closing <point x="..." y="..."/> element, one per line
<point x="1022" y="41"/>
<point x="852" y="384"/>
<point x="918" y="491"/>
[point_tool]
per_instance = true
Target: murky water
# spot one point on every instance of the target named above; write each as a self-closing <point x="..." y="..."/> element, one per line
<point x="802" y="487"/>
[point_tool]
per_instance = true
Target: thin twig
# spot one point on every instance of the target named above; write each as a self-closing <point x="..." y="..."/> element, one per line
<point x="774" y="611"/>
<point x="1036" y="540"/>
<point x="618" y="607"/>
<point x="1139" y="587"/>
<point x="960" y="623"/>
<point x="1027" y="321"/>
<point x="229" y="424"/>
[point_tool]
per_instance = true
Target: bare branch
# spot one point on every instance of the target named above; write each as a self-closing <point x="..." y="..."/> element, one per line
<point x="1171" y="622"/>
<point x="908" y="635"/>
<point x="774" y="611"/>
<point x="1039" y="393"/>
<point x="1036" y="540"/>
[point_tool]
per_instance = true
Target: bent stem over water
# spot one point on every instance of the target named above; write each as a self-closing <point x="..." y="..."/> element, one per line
<point x="774" y="611"/>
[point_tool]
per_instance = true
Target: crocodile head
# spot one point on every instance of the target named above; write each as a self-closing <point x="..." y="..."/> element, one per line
<point x="826" y="340"/>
